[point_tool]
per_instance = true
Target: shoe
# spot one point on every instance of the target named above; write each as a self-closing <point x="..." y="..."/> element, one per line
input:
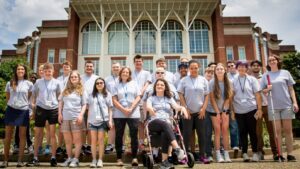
<point x="74" y="163"/>
<point x="93" y="164"/>
<point x="20" y="164"/>
<point x="227" y="157"/>
<point x="235" y="152"/>
<point x="53" y="162"/>
<point x="277" y="157"/>
<point x="109" y="148"/>
<point x="34" y="162"/>
<point x="88" y="150"/>
<point x="59" y="151"/>
<point x="204" y="160"/>
<point x="30" y="149"/>
<point x="47" y="150"/>
<point x="261" y="156"/>
<point x="179" y="153"/>
<point x="246" y="157"/>
<point x="100" y="163"/>
<point x="4" y="164"/>
<point x="16" y="150"/>
<point x="196" y="156"/>
<point x="40" y="151"/>
<point x="219" y="157"/>
<point x="166" y="165"/>
<point x="66" y="163"/>
<point x="291" y="158"/>
<point x="123" y="148"/>
<point x="210" y="159"/>
<point x="120" y="162"/>
<point x="135" y="162"/>
<point x="255" y="157"/>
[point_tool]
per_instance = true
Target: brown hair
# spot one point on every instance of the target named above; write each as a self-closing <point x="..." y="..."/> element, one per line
<point x="167" y="92"/>
<point x="67" y="63"/>
<point x="14" y="79"/>
<point x="95" y="90"/>
<point x="279" y="64"/>
<point x="48" y="66"/>
<point x="137" y="57"/>
<point x="70" y="87"/>
<point x="227" y="87"/>
<point x="121" y="71"/>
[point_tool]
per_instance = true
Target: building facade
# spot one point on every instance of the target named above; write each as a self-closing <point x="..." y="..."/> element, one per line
<point x="107" y="31"/>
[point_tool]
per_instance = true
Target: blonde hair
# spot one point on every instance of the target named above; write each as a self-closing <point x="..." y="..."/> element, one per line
<point x="70" y="87"/>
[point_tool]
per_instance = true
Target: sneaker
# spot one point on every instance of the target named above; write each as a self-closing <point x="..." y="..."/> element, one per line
<point x="88" y="150"/>
<point x="93" y="164"/>
<point x="204" y="160"/>
<point x="120" y="162"/>
<point x="40" y="151"/>
<point x="235" y="152"/>
<point x="66" y="163"/>
<point x="277" y="157"/>
<point x="179" y="153"/>
<point x="261" y="155"/>
<point x="30" y="149"/>
<point x="4" y="164"/>
<point x="219" y="157"/>
<point x="246" y="157"/>
<point x="47" y="150"/>
<point x="255" y="157"/>
<point x="16" y="150"/>
<point x="123" y="148"/>
<point x="34" y="162"/>
<point x="210" y="159"/>
<point x="291" y="158"/>
<point x="134" y="162"/>
<point x="166" y="165"/>
<point x="100" y="163"/>
<point x="196" y="156"/>
<point x="59" y="151"/>
<point x="109" y="148"/>
<point x="53" y="162"/>
<point x="74" y="163"/>
<point x="227" y="157"/>
<point x="20" y="164"/>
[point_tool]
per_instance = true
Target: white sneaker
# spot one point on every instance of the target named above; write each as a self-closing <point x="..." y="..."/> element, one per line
<point x="219" y="157"/>
<point x="74" y="163"/>
<point x="100" y="163"/>
<point x="66" y="163"/>
<point x="210" y="158"/>
<point x="93" y="164"/>
<point x="30" y="149"/>
<point x="255" y="157"/>
<point x="246" y="157"/>
<point x="227" y="157"/>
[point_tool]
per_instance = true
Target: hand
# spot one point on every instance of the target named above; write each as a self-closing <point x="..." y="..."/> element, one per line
<point x="258" y="114"/>
<point x="269" y="87"/>
<point x="201" y="114"/>
<point x="232" y="116"/>
<point x="110" y="124"/>
<point x="79" y="120"/>
<point x="295" y="107"/>
<point x="218" y="118"/>
<point x="60" y="118"/>
<point x="186" y="113"/>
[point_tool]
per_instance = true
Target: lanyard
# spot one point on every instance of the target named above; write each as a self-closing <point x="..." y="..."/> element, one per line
<point x="137" y="78"/>
<point x="100" y="107"/>
<point x="47" y="88"/>
<point x="193" y="82"/>
<point x="20" y="89"/>
<point x="125" y="90"/>
<point x="114" y="79"/>
<point x="242" y="87"/>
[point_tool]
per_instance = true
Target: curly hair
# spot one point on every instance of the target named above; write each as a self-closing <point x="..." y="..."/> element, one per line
<point x="167" y="92"/>
<point x="70" y="87"/>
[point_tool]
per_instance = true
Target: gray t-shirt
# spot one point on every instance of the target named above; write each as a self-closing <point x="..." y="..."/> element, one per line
<point x="149" y="91"/>
<point x="126" y="94"/>
<point x="95" y="116"/>
<point x="244" y="99"/>
<point x="231" y="76"/>
<point x="194" y="91"/>
<point x="280" y="81"/>
<point x="72" y="105"/>
<point x="162" y="107"/>
<point x="47" y="92"/>
<point x="88" y="82"/>
<point x="111" y="81"/>
<point x="169" y="77"/>
<point x="220" y="101"/>
<point x="63" y="81"/>
<point x="141" y="78"/>
<point x="19" y="99"/>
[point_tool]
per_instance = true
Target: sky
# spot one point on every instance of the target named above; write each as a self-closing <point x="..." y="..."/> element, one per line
<point x="19" y="18"/>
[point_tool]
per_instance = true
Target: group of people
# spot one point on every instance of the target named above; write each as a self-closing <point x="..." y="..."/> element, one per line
<point x="231" y="100"/>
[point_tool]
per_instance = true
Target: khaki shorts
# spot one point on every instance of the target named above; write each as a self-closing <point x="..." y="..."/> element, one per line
<point x="70" y="126"/>
<point x="281" y="114"/>
<point x="143" y="116"/>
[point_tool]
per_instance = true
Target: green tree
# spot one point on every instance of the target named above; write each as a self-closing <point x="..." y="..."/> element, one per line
<point x="291" y="62"/>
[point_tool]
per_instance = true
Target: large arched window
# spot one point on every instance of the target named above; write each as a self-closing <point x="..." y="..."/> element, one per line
<point x="118" y="39"/>
<point x="171" y="37"/>
<point x="199" y="40"/>
<point x="145" y="37"/>
<point x="91" y="39"/>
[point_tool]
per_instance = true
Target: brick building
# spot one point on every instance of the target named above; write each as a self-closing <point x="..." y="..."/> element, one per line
<point x="106" y="31"/>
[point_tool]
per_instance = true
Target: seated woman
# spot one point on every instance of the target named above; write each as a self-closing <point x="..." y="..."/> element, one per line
<point x="160" y="106"/>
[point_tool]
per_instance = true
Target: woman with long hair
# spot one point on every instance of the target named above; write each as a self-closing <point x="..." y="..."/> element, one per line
<point x="72" y="105"/>
<point x="18" y="92"/>
<point x="220" y="95"/>
<point x="99" y="119"/>
<point x="284" y="103"/>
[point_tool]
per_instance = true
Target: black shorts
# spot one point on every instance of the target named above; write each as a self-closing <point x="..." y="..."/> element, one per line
<point x="215" y="114"/>
<point x="43" y="115"/>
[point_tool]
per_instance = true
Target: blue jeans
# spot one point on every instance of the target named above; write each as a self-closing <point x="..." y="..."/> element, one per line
<point x="234" y="133"/>
<point x="208" y="134"/>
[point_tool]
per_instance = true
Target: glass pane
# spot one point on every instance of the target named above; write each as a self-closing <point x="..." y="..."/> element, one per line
<point x="118" y="39"/>
<point x="242" y="53"/>
<point x="62" y="55"/>
<point x="229" y="53"/>
<point x="172" y="65"/>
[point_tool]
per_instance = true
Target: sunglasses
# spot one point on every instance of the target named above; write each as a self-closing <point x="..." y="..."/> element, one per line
<point x="99" y="83"/>
<point x="160" y="72"/>
<point x="230" y="65"/>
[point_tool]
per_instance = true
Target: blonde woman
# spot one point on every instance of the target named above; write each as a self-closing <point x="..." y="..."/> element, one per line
<point x="72" y="105"/>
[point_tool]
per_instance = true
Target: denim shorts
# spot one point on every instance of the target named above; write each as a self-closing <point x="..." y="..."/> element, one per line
<point x="97" y="128"/>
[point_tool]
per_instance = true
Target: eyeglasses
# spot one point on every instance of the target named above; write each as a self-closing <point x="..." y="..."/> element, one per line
<point x="160" y="72"/>
<point x="230" y="65"/>
<point x="99" y="83"/>
<point x="255" y="66"/>
<point x="272" y="60"/>
<point x="75" y="77"/>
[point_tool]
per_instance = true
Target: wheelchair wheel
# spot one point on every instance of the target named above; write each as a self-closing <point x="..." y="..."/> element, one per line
<point x="191" y="160"/>
<point x="144" y="159"/>
<point x="149" y="161"/>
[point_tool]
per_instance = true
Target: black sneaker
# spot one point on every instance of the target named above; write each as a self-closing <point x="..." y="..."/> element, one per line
<point x="109" y="149"/>
<point x="291" y="158"/>
<point x="59" y="151"/>
<point x="32" y="163"/>
<point x="53" y="162"/>
<point x="88" y="150"/>
<point x="166" y="165"/>
<point x="277" y="157"/>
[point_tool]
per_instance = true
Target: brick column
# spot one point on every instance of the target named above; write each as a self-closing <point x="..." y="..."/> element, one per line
<point x="218" y="35"/>
<point x="73" y="36"/>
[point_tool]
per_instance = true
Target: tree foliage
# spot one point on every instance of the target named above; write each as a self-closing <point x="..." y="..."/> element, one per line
<point x="291" y="62"/>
